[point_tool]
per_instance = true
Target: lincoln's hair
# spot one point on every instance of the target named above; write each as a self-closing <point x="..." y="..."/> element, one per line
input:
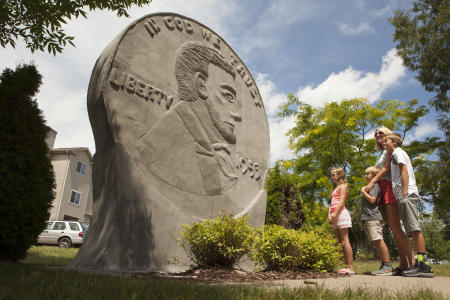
<point x="374" y="170"/>
<point x="395" y="137"/>
<point x="195" y="57"/>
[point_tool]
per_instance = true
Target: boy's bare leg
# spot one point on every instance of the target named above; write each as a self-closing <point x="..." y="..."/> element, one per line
<point x="423" y="268"/>
<point x="382" y="250"/>
<point x="401" y="240"/>
<point x="419" y="241"/>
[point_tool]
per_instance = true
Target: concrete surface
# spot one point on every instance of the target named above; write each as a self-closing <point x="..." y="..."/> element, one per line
<point x="391" y="283"/>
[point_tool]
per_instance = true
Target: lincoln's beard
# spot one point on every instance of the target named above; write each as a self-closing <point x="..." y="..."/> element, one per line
<point x="226" y="130"/>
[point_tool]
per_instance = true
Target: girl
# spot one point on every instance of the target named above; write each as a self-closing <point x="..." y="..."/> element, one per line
<point x="388" y="203"/>
<point x="339" y="217"/>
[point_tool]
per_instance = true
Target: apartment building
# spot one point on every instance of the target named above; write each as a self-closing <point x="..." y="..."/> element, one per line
<point x="73" y="177"/>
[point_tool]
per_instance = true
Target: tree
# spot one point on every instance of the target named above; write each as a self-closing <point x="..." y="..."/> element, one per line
<point x="26" y="173"/>
<point x="39" y="23"/>
<point x="283" y="204"/>
<point x="341" y="135"/>
<point x="338" y="136"/>
<point x="434" y="187"/>
<point x="422" y="35"/>
<point x="438" y="245"/>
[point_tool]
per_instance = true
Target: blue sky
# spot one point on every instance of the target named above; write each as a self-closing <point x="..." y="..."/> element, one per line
<point x="318" y="50"/>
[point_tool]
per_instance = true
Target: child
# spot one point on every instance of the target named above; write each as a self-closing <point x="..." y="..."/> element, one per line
<point x="388" y="202"/>
<point x="407" y="194"/>
<point x="371" y="217"/>
<point x="339" y="217"/>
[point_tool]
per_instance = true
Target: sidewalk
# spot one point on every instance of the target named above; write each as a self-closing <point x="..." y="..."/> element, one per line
<point x="392" y="283"/>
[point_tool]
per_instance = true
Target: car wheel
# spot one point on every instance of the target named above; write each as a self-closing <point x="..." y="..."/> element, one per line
<point x="64" y="243"/>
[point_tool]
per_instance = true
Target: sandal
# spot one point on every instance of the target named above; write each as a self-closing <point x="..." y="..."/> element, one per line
<point x="346" y="271"/>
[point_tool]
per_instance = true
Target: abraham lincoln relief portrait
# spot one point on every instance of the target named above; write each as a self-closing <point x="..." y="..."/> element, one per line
<point x="189" y="147"/>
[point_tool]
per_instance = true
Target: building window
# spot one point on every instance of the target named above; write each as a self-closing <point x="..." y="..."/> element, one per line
<point x="81" y="168"/>
<point x="70" y="218"/>
<point x="75" y="198"/>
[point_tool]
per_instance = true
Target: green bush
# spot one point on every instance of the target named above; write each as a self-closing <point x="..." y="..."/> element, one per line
<point x="26" y="173"/>
<point x="283" y="199"/>
<point x="280" y="248"/>
<point x="217" y="242"/>
<point x="366" y="254"/>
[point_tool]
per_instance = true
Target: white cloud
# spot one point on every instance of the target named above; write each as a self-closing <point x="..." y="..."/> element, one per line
<point x="210" y="13"/>
<point x="352" y="83"/>
<point x="280" y="13"/>
<point x="272" y="100"/>
<point x="367" y="16"/>
<point x="62" y="96"/>
<point x="360" y="29"/>
<point x="278" y="140"/>
<point x="425" y="130"/>
<point x="269" y="30"/>
<point x="66" y="76"/>
<point x="278" y="126"/>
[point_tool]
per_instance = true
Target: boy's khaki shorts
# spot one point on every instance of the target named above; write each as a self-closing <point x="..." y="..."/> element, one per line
<point x="373" y="229"/>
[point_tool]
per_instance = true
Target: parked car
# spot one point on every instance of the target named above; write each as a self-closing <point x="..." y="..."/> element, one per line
<point x="63" y="233"/>
<point x="434" y="261"/>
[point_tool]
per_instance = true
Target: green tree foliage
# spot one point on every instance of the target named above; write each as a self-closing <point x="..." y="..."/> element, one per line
<point x="341" y="135"/>
<point x="39" y="23"/>
<point x="26" y="173"/>
<point x="434" y="186"/>
<point x="283" y="201"/>
<point x="438" y="245"/>
<point x="423" y="35"/>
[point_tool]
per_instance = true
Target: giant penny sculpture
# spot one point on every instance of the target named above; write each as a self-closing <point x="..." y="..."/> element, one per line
<point x="180" y="133"/>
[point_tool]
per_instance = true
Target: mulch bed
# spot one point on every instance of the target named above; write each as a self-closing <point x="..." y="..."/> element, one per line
<point x="219" y="275"/>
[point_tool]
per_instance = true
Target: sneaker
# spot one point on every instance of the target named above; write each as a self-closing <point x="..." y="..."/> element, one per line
<point x="397" y="272"/>
<point x="383" y="271"/>
<point x="419" y="270"/>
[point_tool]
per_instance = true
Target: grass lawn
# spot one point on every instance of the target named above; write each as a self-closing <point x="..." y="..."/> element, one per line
<point x="50" y="256"/>
<point x="54" y="256"/>
<point x="33" y="278"/>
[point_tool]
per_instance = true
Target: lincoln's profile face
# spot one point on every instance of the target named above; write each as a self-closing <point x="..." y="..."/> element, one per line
<point x="222" y="102"/>
<point x="203" y="75"/>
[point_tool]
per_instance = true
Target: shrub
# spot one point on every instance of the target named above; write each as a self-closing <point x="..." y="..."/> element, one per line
<point x="26" y="173"/>
<point x="283" y="199"/>
<point x="280" y="248"/>
<point x="366" y="253"/>
<point x="217" y="242"/>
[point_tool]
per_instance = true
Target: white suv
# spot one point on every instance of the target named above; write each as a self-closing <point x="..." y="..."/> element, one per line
<point x="63" y="233"/>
